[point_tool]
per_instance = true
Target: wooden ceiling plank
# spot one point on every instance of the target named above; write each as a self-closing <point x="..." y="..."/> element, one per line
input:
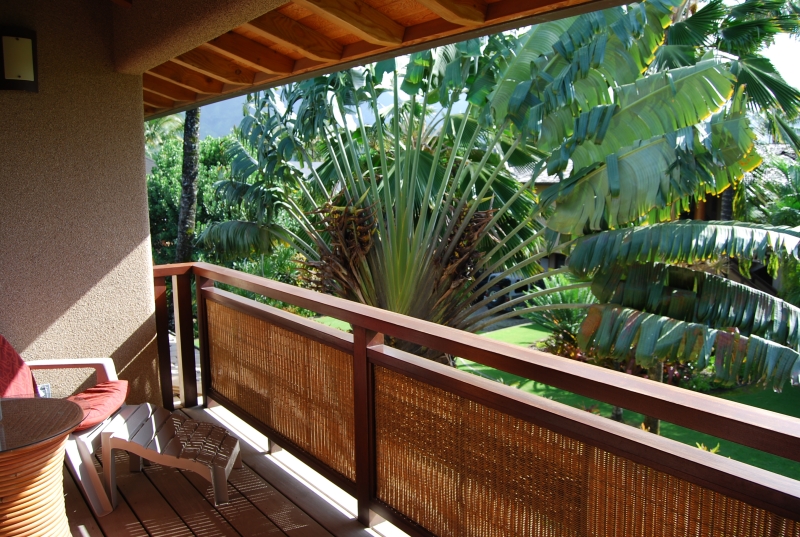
<point x="188" y="78"/>
<point x="464" y="12"/>
<point x="210" y="63"/>
<point x="359" y="18"/>
<point x="167" y="89"/>
<point x="157" y="101"/>
<point x="261" y="78"/>
<point x="507" y="10"/>
<point x="430" y="30"/>
<point x="252" y="54"/>
<point x="296" y="36"/>
<point x="313" y="51"/>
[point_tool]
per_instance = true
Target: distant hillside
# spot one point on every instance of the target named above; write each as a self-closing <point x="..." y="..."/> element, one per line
<point x="218" y="119"/>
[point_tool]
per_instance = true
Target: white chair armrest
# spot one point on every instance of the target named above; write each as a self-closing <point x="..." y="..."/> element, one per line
<point x="103" y="366"/>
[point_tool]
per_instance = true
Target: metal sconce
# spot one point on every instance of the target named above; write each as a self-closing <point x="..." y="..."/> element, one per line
<point x="18" y="68"/>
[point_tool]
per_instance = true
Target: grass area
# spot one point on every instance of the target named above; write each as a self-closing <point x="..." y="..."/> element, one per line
<point x="334" y="323"/>
<point x="787" y="402"/>
<point x="522" y="334"/>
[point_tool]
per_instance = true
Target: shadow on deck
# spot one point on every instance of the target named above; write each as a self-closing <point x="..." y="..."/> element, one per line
<point x="266" y="498"/>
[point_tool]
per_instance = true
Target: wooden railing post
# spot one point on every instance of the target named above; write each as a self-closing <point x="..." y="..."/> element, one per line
<point x="184" y="334"/>
<point x="201" y="283"/>
<point x="162" y="342"/>
<point x="364" y="404"/>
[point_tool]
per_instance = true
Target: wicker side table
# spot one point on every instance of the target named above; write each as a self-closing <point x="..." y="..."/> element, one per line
<point x="32" y="437"/>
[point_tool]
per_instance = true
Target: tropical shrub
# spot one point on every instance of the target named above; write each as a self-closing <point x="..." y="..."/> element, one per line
<point x="561" y="313"/>
<point x="164" y="191"/>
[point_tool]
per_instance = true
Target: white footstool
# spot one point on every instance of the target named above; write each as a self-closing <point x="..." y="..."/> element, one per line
<point x="170" y="439"/>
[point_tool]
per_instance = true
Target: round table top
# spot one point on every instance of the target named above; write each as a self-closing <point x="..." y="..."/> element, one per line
<point x="28" y="421"/>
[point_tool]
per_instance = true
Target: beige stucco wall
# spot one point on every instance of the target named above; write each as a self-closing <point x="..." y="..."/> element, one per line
<point x="76" y="276"/>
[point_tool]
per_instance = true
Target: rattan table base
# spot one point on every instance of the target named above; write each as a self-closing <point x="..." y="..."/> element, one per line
<point x="32" y="491"/>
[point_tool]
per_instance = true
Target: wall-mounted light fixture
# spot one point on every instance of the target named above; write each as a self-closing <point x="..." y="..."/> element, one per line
<point x="18" y="69"/>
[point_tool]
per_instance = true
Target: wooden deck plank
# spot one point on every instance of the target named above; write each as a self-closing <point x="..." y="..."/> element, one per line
<point x="81" y="521"/>
<point x="154" y="512"/>
<point x="295" y="492"/>
<point x="122" y="521"/>
<point x="333" y="520"/>
<point x="283" y="513"/>
<point x="164" y="501"/>
<point x="183" y="497"/>
<point x="239" y="512"/>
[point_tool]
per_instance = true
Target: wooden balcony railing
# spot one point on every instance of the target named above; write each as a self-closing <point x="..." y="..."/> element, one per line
<point x="438" y="451"/>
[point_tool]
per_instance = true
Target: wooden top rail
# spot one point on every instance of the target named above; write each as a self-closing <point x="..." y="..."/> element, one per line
<point x="175" y="269"/>
<point x="753" y="427"/>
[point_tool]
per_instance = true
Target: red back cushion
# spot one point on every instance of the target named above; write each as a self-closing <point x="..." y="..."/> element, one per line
<point x="16" y="379"/>
<point x="100" y="402"/>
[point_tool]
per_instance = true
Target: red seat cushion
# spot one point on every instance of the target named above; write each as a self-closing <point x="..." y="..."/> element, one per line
<point x="100" y="402"/>
<point x="16" y="379"/>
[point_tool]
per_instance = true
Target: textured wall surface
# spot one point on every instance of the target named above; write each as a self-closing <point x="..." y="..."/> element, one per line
<point x="153" y="31"/>
<point x="76" y="278"/>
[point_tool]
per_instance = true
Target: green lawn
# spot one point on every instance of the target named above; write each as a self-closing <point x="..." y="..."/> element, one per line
<point x="335" y="323"/>
<point x="787" y="402"/>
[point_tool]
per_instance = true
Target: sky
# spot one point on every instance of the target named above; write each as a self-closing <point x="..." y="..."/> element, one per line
<point x="218" y="119"/>
<point x="785" y="56"/>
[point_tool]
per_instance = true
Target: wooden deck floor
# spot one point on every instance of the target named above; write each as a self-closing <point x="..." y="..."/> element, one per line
<point x="265" y="499"/>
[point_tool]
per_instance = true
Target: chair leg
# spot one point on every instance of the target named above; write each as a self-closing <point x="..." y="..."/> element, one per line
<point x="110" y="475"/>
<point x="219" y="482"/>
<point x="135" y="462"/>
<point x="82" y="467"/>
<point x="237" y="463"/>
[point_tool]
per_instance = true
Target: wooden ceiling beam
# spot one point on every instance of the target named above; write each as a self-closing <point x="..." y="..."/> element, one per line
<point x="298" y="37"/>
<point x="188" y="78"/>
<point x="252" y="54"/>
<point x="359" y="18"/>
<point x="210" y="63"/>
<point x="167" y="89"/>
<point x="509" y="10"/>
<point x="464" y="12"/>
<point x="321" y="54"/>
<point x="157" y="101"/>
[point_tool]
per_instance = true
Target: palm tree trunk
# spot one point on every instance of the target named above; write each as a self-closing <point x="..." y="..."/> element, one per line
<point x="188" y="205"/>
<point x="656" y="373"/>
<point x="726" y="204"/>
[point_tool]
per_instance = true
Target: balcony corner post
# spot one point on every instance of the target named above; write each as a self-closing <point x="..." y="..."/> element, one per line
<point x="184" y="334"/>
<point x="202" y="283"/>
<point x="162" y="342"/>
<point x="364" y="405"/>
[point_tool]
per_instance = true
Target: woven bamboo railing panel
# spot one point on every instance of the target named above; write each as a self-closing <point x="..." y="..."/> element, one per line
<point x="459" y="468"/>
<point x="295" y="385"/>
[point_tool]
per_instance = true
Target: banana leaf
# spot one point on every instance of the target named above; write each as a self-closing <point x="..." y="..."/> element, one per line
<point x="699" y="297"/>
<point x="624" y="333"/>
<point x="685" y="242"/>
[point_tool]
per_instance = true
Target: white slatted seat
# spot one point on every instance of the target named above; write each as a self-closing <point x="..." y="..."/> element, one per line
<point x="170" y="439"/>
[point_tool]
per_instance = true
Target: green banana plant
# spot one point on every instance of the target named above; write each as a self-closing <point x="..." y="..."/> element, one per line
<point x="655" y="307"/>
